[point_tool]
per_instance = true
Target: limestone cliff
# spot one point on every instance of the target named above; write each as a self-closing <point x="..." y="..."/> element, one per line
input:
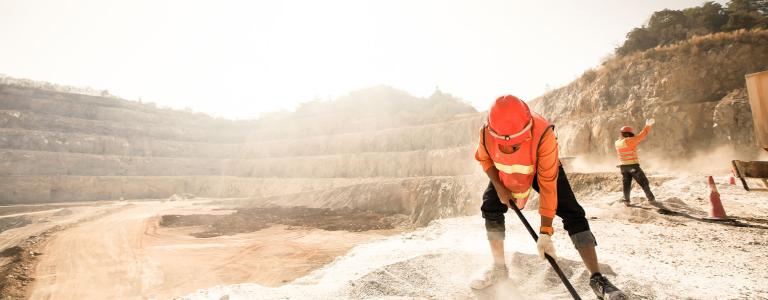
<point x="695" y="90"/>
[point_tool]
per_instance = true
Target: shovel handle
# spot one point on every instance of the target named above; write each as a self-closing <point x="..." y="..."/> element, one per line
<point x="549" y="258"/>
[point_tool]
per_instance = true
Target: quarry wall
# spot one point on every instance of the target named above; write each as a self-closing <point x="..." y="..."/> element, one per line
<point x="694" y="89"/>
<point x="60" y="147"/>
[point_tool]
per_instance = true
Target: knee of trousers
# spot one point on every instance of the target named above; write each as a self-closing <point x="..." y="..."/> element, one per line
<point x="584" y="239"/>
<point x="575" y="225"/>
<point x="494" y="228"/>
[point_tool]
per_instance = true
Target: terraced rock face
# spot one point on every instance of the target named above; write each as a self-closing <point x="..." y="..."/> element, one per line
<point x="379" y="149"/>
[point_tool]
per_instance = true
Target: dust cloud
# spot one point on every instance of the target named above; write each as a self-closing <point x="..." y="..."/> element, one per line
<point x="716" y="161"/>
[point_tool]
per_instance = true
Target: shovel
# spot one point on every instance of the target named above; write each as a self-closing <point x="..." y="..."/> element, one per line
<point x="549" y="258"/>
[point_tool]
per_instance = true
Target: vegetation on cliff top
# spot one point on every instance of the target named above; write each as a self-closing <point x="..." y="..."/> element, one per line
<point x="671" y="26"/>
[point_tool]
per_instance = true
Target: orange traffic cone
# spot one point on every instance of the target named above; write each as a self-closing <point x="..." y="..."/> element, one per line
<point x="717" y="212"/>
<point x="732" y="181"/>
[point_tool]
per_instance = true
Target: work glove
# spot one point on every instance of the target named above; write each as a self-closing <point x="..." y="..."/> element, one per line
<point x="650" y="122"/>
<point x="545" y="245"/>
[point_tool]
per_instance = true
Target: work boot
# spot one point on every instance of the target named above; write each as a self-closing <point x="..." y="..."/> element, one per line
<point x="604" y="289"/>
<point x="624" y="201"/>
<point x="490" y="277"/>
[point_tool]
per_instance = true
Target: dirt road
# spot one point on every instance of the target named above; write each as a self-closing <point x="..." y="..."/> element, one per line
<point x="48" y="218"/>
<point x="126" y="255"/>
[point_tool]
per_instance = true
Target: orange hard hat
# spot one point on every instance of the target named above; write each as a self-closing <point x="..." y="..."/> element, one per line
<point x="509" y="120"/>
<point x="626" y="129"/>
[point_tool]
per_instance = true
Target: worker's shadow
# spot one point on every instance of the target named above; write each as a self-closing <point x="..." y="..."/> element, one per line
<point x="734" y="221"/>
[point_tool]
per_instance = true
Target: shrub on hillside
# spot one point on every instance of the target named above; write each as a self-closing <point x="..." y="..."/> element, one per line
<point x="668" y="26"/>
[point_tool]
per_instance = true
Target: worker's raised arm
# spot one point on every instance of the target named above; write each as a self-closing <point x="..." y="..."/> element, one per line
<point x="547" y="176"/>
<point x="643" y="133"/>
<point x="647" y="128"/>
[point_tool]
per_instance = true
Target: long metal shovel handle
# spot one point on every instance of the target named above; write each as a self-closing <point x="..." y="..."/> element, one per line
<point x="551" y="260"/>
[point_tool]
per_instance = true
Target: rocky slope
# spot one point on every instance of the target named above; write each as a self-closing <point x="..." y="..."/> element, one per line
<point x="694" y="89"/>
<point x="382" y="148"/>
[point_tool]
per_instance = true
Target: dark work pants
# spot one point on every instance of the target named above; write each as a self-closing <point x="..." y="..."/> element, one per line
<point x="633" y="171"/>
<point x="568" y="209"/>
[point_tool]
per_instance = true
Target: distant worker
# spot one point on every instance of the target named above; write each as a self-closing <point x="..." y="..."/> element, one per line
<point x="518" y="151"/>
<point x="626" y="148"/>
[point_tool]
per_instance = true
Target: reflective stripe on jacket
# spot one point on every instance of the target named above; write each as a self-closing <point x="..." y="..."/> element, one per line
<point x="626" y="148"/>
<point x="627" y="154"/>
<point x="517" y="170"/>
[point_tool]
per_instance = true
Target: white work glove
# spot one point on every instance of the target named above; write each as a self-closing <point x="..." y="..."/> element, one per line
<point x="650" y="122"/>
<point x="545" y="245"/>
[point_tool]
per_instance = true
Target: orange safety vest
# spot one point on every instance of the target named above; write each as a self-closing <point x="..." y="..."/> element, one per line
<point x="516" y="170"/>
<point x="627" y="153"/>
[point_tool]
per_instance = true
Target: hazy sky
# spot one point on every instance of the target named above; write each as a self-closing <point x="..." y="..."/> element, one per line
<point x="241" y="58"/>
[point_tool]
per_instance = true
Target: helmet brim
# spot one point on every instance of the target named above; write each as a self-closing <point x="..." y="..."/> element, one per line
<point x="512" y="139"/>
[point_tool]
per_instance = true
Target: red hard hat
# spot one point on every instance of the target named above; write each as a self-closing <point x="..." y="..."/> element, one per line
<point x="509" y="120"/>
<point x="626" y="129"/>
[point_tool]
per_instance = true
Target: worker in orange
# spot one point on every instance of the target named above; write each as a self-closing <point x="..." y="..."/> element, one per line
<point x="518" y="151"/>
<point x="626" y="148"/>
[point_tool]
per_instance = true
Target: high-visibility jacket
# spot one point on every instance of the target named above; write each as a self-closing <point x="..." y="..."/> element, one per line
<point x="538" y="155"/>
<point x="626" y="148"/>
